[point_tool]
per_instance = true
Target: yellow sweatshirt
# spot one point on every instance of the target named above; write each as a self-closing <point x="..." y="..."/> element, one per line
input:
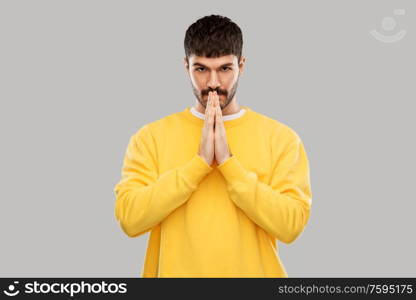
<point x="214" y="220"/>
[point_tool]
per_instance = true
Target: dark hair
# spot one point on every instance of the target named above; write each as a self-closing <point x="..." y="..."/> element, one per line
<point x="213" y="36"/>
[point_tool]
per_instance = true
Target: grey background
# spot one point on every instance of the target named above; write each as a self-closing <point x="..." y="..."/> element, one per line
<point x="78" y="78"/>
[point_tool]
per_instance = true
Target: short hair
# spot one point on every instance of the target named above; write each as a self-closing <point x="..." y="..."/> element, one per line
<point x="213" y="36"/>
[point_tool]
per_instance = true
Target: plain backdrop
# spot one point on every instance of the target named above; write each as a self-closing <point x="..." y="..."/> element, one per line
<point x="78" y="78"/>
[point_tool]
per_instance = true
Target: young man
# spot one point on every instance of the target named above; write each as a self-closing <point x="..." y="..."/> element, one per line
<point x="216" y="184"/>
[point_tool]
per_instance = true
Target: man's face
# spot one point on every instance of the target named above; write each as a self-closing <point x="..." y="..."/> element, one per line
<point x="219" y="74"/>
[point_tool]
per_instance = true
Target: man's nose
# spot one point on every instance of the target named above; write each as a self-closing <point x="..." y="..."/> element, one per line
<point x="213" y="82"/>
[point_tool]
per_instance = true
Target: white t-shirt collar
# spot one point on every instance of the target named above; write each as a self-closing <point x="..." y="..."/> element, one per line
<point x="224" y="118"/>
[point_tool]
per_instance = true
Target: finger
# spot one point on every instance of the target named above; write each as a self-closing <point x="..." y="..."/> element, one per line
<point x="215" y="104"/>
<point x="208" y="110"/>
<point x="218" y="116"/>
<point x="214" y="98"/>
<point x="211" y="112"/>
<point x="207" y="105"/>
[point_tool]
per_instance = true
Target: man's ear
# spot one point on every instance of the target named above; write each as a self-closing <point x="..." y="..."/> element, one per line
<point x="186" y="64"/>
<point x="241" y="64"/>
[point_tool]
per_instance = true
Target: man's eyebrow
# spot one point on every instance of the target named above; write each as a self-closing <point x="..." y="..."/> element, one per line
<point x="199" y="64"/>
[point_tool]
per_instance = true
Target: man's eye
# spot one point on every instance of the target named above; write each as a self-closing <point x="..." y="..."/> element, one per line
<point x="201" y="69"/>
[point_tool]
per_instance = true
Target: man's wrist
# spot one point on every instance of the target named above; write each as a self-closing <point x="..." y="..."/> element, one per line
<point x="225" y="159"/>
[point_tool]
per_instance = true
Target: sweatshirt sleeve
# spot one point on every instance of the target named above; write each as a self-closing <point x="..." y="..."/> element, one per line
<point x="281" y="208"/>
<point x="143" y="197"/>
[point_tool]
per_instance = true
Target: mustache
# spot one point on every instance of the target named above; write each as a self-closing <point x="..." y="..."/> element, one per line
<point x="219" y="92"/>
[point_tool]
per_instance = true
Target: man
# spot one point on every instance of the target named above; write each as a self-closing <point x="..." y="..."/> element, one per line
<point x="216" y="184"/>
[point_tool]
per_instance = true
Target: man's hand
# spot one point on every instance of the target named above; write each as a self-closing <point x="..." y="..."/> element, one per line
<point x="206" y="146"/>
<point x="222" y="152"/>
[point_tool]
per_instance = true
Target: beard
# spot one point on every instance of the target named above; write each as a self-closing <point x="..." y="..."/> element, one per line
<point x="229" y="95"/>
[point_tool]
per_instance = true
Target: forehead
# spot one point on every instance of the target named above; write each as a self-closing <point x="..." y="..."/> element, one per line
<point x="212" y="61"/>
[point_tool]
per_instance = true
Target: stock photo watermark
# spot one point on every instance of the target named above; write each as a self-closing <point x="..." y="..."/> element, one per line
<point x="70" y="289"/>
<point x="389" y="24"/>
